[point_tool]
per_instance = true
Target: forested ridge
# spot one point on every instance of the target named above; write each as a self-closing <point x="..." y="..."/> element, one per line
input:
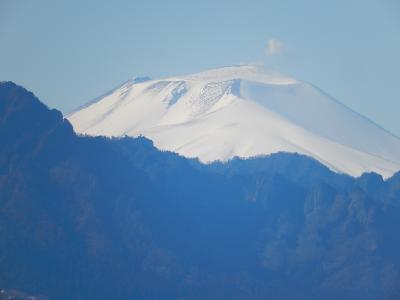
<point x="97" y="218"/>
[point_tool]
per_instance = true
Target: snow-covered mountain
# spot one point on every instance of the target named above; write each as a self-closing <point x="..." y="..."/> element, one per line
<point x="242" y="111"/>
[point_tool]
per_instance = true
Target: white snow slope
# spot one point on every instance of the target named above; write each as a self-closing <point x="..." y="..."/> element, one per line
<point x="242" y="111"/>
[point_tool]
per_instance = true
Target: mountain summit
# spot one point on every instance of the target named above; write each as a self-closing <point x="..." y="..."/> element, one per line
<point x="243" y="111"/>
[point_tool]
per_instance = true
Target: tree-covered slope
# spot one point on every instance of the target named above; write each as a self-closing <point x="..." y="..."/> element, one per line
<point x="98" y="218"/>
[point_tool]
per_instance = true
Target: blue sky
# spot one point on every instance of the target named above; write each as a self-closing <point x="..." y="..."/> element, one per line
<point x="72" y="51"/>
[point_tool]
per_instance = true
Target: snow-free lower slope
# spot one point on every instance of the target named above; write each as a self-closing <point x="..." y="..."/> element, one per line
<point x="242" y="111"/>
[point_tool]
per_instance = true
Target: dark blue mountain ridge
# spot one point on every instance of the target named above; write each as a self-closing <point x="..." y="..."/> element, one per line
<point x="97" y="218"/>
